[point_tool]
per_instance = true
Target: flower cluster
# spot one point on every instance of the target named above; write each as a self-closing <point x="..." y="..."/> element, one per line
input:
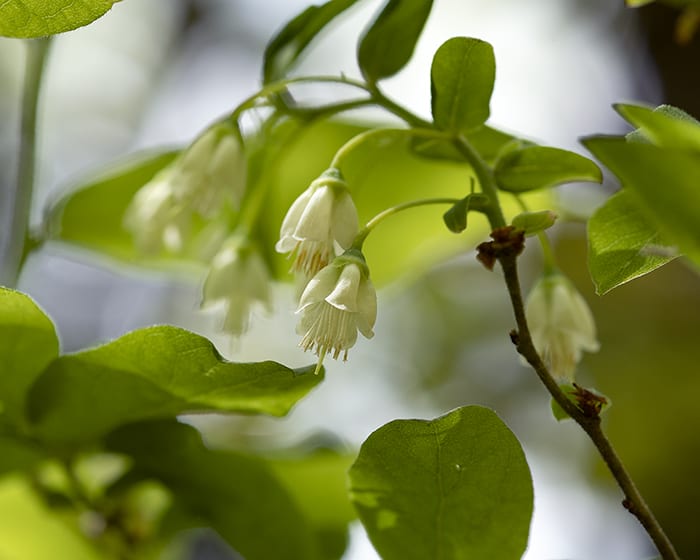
<point x="239" y="278"/>
<point x="337" y="302"/>
<point x="204" y="179"/>
<point x="321" y="223"/>
<point x="561" y="325"/>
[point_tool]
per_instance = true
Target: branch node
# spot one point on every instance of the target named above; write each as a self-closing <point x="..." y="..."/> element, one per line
<point x="508" y="242"/>
<point x="514" y="337"/>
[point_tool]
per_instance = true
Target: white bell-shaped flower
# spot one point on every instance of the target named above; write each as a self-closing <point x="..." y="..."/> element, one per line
<point x="239" y="279"/>
<point x="561" y="325"/>
<point x="321" y="223"/>
<point x="206" y="178"/>
<point x="337" y="302"/>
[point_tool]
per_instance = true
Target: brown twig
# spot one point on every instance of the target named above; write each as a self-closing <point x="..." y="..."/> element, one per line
<point x="587" y="418"/>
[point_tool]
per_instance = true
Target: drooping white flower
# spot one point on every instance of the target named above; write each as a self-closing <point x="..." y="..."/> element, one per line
<point x="206" y="178"/>
<point x="321" y="223"/>
<point x="156" y="218"/>
<point x="239" y="279"/>
<point x="337" y="302"/>
<point x="561" y="325"/>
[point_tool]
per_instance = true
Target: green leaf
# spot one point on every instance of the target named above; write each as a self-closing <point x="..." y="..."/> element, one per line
<point x="533" y="223"/>
<point x="318" y="484"/>
<point x="236" y="495"/>
<point x="636" y="3"/>
<point x="664" y="183"/>
<point x="17" y="454"/>
<point x="37" y="18"/>
<point x="28" y="343"/>
<point x="665" y="126"/>
<point x="156" y="372"/>
<point x="538" y="167"/>
<point x="457" y="487"/>
<point x="30" y="530"/>
<point x="290" y="42"/>
<point x="487" y="141"/>
<point x="91" y="215"/>
<point x="462" y="77"/>
<point x="456" y="217"/>
<point x="622" y="243"/>
<point x="388" y="44"/>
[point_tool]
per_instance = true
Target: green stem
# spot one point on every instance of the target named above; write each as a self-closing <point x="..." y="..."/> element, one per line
<point x="484" y="175"/>
<point x="376" y="220"/>
<point x="633" y="501"/>
<point x="18" y="236"/>
<point x="396" y="109"/>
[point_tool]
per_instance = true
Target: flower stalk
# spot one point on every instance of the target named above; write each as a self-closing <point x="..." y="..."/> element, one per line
<point x="17" y="246"/>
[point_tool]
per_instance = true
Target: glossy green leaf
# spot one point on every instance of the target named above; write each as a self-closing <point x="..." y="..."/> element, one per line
<point x="462" y="76"/>
<point x="28" y="343"/>
<point x="318" y="484"/>
<point x="664" y="183"/>
<point x="665" y="126"/>
<point x="388" y="44"/>
<point x="92" y="214"/>
<point x="538" y="167"/>
<point x="533" y="223"/>
<point x="38" y="18"/>
<point x="290" y="42"/>
<point x="622" y="243"/>
<point x="157" y="372"/>
<point x="234" y="494"/>
<point x="457" y="487"/>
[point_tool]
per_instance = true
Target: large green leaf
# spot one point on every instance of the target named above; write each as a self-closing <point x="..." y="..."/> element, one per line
<point x="457" y="487"/>
<point x="37" y="18"/>
<point x="318" y="483"/>
<point x="388" y="44"/>
<point x="236" y="495"/>
<point x="665" y="183"/>
<point x="538" y="167"/>
<point x="665" y="126"/>
<point x="290" y="42"/>
<point x="622" y="243"/>
<point x="462" y="76"/>
<point x="157" y="372"/>
<point x="91" y="215"/>
<point x="28" y="344"/>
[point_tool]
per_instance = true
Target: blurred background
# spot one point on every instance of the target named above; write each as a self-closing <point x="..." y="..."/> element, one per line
<point x="154" y="73"/>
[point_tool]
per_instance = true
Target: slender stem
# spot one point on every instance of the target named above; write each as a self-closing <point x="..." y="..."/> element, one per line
<point x="485" y="176"/>
<point x="18" y="236"/>
<point x="549" y="262"/>
<point x="396" y="109"/>
<point x="633" y="501"/>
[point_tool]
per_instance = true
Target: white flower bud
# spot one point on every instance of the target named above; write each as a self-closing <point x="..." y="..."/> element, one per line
<point x="238" y="278"/>
<point x="561" y="325"/>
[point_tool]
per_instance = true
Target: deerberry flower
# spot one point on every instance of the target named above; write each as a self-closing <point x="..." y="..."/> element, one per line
<point x="561" y="325"/>
<point x="337" y="302"/>
<point x="204" y="179"/>
<point x="321" y="223"/>
<point x="238" y="278"/>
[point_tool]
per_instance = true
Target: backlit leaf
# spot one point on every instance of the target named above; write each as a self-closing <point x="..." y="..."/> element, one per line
<point x="462" y="76"/>
<point x="37" y="18"/>
<point x="157" y="372"/>
<point x="457" y="487"/>
<point x="388" y="44"/>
